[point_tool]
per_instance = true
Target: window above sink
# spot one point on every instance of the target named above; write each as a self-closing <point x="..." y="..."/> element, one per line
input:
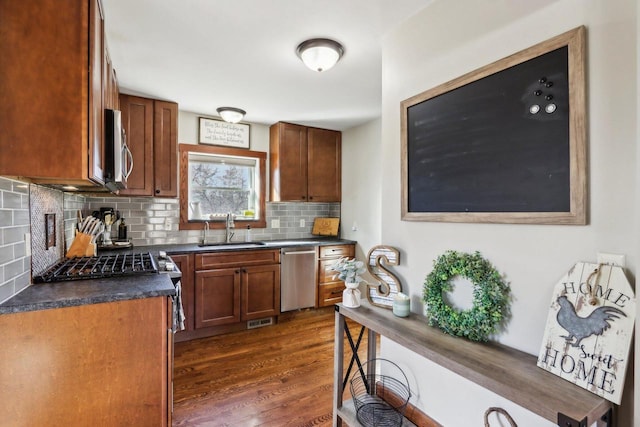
<point x="217" y="180"/>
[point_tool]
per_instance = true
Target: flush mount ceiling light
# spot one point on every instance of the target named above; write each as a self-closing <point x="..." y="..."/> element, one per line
<point x="230" y="114"/>
<point x="320" y="54"/>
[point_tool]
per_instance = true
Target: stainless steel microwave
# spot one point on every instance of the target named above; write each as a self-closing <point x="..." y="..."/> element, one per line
<point x="118" y="158"/>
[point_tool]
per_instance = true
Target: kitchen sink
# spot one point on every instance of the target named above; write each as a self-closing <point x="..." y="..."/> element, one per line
<point x="232" y="245"/>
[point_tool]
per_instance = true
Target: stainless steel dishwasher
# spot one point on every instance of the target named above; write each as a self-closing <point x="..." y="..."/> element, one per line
<point x="298" y="267"/>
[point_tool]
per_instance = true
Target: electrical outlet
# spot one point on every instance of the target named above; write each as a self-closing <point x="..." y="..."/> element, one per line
<point x="354" y="227"/>
<point x="302" y="223"/>
<point x="611" y="259"/>
<point x="275" y="223"/>
<point x="167" y="224"/>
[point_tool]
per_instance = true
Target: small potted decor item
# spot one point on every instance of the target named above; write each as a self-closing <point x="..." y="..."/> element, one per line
<point x="349" y="270"/>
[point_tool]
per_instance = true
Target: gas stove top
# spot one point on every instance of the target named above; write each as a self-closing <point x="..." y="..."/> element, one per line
<point x="99" y="267"/>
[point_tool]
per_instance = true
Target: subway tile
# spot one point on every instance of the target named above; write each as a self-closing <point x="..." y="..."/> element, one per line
<point x="6" y="217"/>
<point x="154" y="220"/>
<point x="130" y="206"/>
<point x="11" y="200"/>
<point x="19" y="250"/>
<point x="6" y="184"/>
<point x="20" y="187"/>
<point x="141" y="227"/>
<point x="6" y="290"/>
<point x="14" y="234"/>
<point x="6" y="254"/>
<point x="152" y="234"/>
<point x="154" y="206"/>
<point x="22" y="281"/>
<point x="14" y="269"/>
<point x="21" y="217"/>
<point x="164" y="213"/>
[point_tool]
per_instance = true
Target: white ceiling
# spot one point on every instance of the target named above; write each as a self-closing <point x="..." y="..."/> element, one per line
<point x="205" y="54"/>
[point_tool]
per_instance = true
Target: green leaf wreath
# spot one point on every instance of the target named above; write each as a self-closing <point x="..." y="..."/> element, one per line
<point x="490" y="296"/>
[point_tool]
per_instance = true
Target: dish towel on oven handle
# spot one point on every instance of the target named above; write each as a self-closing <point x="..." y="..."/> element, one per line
<point x="178" y="312"/>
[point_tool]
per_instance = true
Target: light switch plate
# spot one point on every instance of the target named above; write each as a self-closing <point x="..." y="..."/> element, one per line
<point x="27" y="244"/>
<point x="275" y="223"/>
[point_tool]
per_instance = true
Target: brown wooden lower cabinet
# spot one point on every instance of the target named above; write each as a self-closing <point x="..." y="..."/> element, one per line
<point x="232" y="287"/>
<point x="217" y="298"/>
<point x="98" y="364"/>
<point x="329" y="288"/>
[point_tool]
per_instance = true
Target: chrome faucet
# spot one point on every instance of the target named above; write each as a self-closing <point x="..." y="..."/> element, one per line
<point x="229" y="226"/>
<point x="205" y="232"/>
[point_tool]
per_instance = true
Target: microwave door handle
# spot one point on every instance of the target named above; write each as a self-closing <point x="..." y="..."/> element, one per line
<point x="125" y="149"/>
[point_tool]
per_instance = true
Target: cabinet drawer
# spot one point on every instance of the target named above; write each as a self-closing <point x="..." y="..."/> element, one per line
<point x="330" y="294"/>
<point x="223" y="259"/>
<point x="337" y="251"/>
<point x="325" y="273"/>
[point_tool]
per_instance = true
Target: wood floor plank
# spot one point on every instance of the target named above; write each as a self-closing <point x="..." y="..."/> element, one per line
<point x="276" y="376"/>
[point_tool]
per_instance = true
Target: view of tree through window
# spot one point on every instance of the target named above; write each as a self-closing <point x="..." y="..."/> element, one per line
<point x="220" y="184"/>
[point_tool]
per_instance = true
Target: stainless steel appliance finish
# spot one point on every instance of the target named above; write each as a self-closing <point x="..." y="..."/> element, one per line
<point x="298" y="270"/>
<point x="118" y="157"/>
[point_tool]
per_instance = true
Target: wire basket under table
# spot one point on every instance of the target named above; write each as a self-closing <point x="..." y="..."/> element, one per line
<point x="379" y="399"/>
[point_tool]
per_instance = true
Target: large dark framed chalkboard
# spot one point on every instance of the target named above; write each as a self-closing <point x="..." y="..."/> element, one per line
<point x="504" y="144"/>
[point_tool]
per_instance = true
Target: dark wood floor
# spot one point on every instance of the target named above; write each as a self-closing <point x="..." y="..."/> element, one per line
<point x="278" y="376"/>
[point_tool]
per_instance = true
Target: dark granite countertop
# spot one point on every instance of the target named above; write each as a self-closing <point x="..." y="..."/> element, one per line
<point x="81" y="292"/>
<point x="240" y="246"/>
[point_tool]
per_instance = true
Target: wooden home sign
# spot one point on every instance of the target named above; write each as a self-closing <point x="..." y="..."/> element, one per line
<point x="589" y="329"/>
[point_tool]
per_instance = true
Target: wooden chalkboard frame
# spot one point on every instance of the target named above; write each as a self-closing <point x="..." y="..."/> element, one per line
<point x="575" y="41"/>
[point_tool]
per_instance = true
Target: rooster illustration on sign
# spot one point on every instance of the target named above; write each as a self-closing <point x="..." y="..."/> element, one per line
<point x="580" y="328"/>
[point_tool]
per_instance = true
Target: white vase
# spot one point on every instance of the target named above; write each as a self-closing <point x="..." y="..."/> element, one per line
<point x="351" y="295"/>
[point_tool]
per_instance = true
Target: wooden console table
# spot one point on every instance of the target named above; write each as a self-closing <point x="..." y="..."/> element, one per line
<point x="507" y="372"/>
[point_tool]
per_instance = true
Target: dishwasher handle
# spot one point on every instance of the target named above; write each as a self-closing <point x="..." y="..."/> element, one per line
<point x="298" y="252"/>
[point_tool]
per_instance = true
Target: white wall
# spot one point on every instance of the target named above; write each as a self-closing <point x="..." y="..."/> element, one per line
<point x="361" y="186"/>
<point x="448" y="39"/>
<point x="188" y="127"/>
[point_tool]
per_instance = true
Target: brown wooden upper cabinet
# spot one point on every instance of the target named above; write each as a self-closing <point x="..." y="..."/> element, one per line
<point x="51" y="114"/>
<point x="151" y="127"/>
<point x="305" y="163"/>
<point x="111" y="87"/>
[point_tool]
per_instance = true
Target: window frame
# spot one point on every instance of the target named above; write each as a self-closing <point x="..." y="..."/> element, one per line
<point x="187" y="224"/>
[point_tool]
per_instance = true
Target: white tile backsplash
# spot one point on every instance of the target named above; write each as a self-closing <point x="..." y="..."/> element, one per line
<point x="154" y="221"/>
<point x="15" y="264"/>
<point x="151" y="221"/>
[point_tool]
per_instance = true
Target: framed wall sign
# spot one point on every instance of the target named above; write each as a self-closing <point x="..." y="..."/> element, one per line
<point x="218" y="132"/>
<point x="505" y="143"/>
<point x="589" y="330"/>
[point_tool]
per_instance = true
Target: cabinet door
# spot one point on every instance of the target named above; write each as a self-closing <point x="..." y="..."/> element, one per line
<point x="137" y="120"/>
<point x="50" y="79"/>
<point x="165" y="149"/>
<point x="324" y="176"/>
<point x="288" y="161"/>
<point x="101" y="364"/>
<point x="217" y="297"/>
<point x="185" y="265"/>
<point x="96" y="92"/>
<point x="260" y="291"/>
